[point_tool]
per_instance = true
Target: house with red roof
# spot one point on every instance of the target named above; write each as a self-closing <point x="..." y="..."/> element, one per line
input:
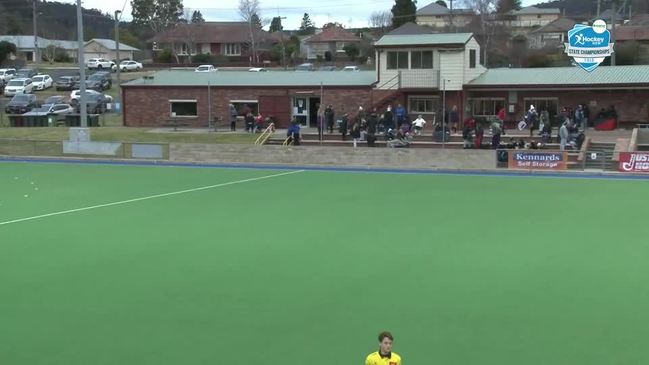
<point x="332" y="40"/>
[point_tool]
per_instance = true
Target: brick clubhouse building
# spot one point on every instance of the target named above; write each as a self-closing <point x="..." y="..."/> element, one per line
<point x="418" y="71"/>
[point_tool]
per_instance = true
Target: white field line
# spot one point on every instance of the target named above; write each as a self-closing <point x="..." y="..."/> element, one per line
<point x="148" y="197"/>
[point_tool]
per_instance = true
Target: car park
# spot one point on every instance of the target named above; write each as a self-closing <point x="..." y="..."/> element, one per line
<point x="205" y="68"/>
<point x="258" y="69"/>
<point x="327" y="68"/>
<point x="99" y="81"/>
<point x="305" y="67"/>
<point x="76" y="95"/>
<point x="51" y="109"/>
<point x="25" y="73"/>
<point x="67" y="83"/>
<point x="7" y="74"/>
<point x="42" y="82"/>
<point x="18" y="86"/>
<point x="56" y="99"/>
<point x="95" y="103"/>
<point x="100" y="64"/>
<point x="21" y="103"/>
<point x="351" y="68"/>
<point x="130" y="66"/>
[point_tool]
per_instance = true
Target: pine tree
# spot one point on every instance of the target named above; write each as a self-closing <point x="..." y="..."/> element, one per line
<point x="256" y="21"/>
<point x="197" y="17"/>
<point x="441" y="3"/>
<point x="307" y="26"/>
<point x="403" y="11"/>
<point x="275" y="24"/>
<point x="505" y="6"/>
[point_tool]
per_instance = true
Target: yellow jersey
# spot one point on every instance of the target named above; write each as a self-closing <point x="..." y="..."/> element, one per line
<point x="376" y="358"/>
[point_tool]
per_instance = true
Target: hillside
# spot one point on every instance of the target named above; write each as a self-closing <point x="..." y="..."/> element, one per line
<point x="587" y="9"/>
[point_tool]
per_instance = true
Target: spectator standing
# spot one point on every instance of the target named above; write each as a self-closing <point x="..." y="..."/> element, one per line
<point x="372" y="122"/>
<point x="356" y="133"/>
<point x="250" y="122"/>
<point x="467" y="136"/>
<point x="532" y="119"/>
<point x="233" y="117"/>
<point x="579" y="115"/>
<point x="479" y="134"/>
<point x="496" y="131"/>
<point x="455" y="119"/>
<point x="544" y="118"/>
<point x="389" y="118"/>
<point x="563" y="135"/>
<point x="401" y="115"/>
<point x="344" y="121"/>
<point x="330" y="117"/>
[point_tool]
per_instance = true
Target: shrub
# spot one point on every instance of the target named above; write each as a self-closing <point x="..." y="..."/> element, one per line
<point x="166" y="56"/>
<point x="203" y="58"/>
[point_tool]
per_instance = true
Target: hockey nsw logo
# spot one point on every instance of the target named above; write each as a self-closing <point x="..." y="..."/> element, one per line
<point x="589" y="45"/>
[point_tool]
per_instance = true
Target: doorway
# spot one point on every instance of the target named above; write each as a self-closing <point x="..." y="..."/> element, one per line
<point x="305" y="110"/>
<point x="314" y="105"/>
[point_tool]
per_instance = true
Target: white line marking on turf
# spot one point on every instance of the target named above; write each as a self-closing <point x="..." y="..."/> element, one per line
<point x="148" y="197"/>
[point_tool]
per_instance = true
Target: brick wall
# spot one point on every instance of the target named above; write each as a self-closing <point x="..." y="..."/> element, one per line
<point x="149" y="106"/>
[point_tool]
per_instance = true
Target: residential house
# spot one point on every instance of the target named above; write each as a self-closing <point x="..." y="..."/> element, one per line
<point x="25" y="45"/>
<point x="230" y="41"/>
<point x="607" y="16"/>
<point x="551" y="35"/>
<point x="437" y="16"/>
<point x="528" y="17"/>
<point x="422" y="69"/>
<point x="638" y="34"/>
<point x="331" y="40"/>
<point x="412" y="28"/>
<point x="107" y="48"/>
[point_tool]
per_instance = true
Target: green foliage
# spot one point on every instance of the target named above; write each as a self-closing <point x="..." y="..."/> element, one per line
<point x="539" y="60"/>
<point x="363" y="60"/>
<point x="441" y="3"/>
<point x="166" y="56"/>
<point x="505" y="6"/>
<point x="158" y="15"/>
<point x="307" y="26"/>
<point x="197" y="17"/>
<point x="256" y="21"/>
<point x="319" y="58"/>
<point x="203" y="58"/>
<point x="6" y="49"/>
<point x="328" y="56"/>
<point x="275" y="25"/>
<point x="626" y="53"/>
<point x="352" y="51"/>
<point x="403" y="11"/>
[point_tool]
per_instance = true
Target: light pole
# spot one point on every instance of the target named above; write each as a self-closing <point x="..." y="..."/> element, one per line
<point x="443" y="113"/>
<point x="82" y="69"/>
<point x="118" y="60"/>
<point x="34" y="21"/>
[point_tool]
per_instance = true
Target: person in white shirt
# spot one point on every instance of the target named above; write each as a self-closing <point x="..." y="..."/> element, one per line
<point x="419" y="124"/>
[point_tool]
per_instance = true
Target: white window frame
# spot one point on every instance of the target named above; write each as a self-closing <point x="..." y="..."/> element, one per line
<point x="172" y="101"/>
<point x="236" y="49"/>
<point x="495" y="100"/>
<point x="433" y="98"/>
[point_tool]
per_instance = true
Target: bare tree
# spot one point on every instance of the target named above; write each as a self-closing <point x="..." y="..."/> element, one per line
<point x="484" y="10"/>
<point x="189" y="31"/>
<point x="380" y="19"/>
<point x="250" y="13"/>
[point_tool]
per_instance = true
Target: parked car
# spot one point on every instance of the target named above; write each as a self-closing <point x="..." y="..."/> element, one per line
<point x="25" y="73"/>
<point x="205" y="68"/>
<point x="351" y="68"/>
<point x="76" y="95"/>
<point x="21" y="103"/>
<point x="130" y="66"/>
<point x="100" y="64"/>
<point x="95" y="103"/>
<point x="258" y="69"/>
<point x="19" y="86"/>
<point x="327" y="68"/>
<point x="7" y="74"/>
<point x="42" y="82"/>
<point x="67" y="83"/>
<point x="56" y="99"/>
<point x="51" y="109"/>
<point x="305" y="67"/>
<point x="100" y="81"/>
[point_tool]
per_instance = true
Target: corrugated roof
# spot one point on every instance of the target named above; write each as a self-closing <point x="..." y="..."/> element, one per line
<point x="411" y="28"/>
<point x="110" y="44"/>
<point x="535" y="10"/>
<point x="24" y="41"/>
<point x="252" y="79"/>
<point x="423" y="39"/>
<point x="436" y="9"/>
<point x="559" y="25"/>
<point x="563" y="76"/>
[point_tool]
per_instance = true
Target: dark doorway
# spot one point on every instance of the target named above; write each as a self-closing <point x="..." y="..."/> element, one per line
<point x="314" y="104"/>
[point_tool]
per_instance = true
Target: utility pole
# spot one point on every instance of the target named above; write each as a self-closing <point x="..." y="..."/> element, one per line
<point x="598" y="7"/>
<point x="82" y="69"/>
<point x="118" y="59"/>
<point x="34" y="21"/>
<point x="281" y="35"/>
<point x="613" y="16"/>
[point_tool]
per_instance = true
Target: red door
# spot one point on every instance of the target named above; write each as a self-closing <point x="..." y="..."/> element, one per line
<point x="278" y="107"/>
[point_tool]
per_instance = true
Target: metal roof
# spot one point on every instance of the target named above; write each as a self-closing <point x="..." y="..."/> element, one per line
<point x="436" y="9"/>
<point x="535" y="10"/>
<point x="563" y="76"/>
<point x="24" y="41"/>
<point x="423" y="39"/>
<point x="260" y="79"/>
<point x="110" y="44"/>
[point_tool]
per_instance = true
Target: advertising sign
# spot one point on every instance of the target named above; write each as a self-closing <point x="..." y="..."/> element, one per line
<point x="589" y="45"/>
<point x="533" y="160"/>
<point x="634" y="162"/>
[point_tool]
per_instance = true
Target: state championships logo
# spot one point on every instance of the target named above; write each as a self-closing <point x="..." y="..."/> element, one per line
<point x="589" y="45"/>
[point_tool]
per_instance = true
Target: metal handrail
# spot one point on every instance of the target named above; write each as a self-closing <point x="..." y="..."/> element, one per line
<point x="395" y="79"/>
<point x="265" y="135"/>
<point x="287" y="143"/>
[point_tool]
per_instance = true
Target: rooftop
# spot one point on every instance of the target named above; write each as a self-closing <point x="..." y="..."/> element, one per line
<point x="110" y="44"/>
<point x="424" y="39"/>
<point x="563" y="76"/>
<point x="270" y="78"/>
<point x="561" y="25"/>
<point x="436" y="9"/>
<point x="411" y="28"/>
<point x="333" y="34"/>
<point x="535" y="10"/>
<point x="209" y="32"/>
<point x="632" y="33"/>
<point x="24" y="41"/>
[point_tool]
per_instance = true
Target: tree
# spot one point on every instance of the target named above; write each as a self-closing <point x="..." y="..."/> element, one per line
<point x="505" y="6"/>
<point x="332" y="25"/>
<point x="484" y="8"/>
<point x="403" y="11"/>
<point x="352" y="51"/>
<point x="158" y="15"/>
<point x="197" y="17"/>
<point x="441" y="3"/>
<point x="6" y="50"/>
<point x="256" y="22"/>
<point x="249" y="12"/>
<point x="380" y="19"/>
<point x="306" y="27"/>
<point x="275" y="24"/>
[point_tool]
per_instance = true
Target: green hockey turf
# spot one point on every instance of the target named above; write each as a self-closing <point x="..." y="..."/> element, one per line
<point x="306" y="268"/>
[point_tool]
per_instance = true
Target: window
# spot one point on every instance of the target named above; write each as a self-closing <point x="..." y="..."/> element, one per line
<point x="231" y="49"/>
<point x="549" y="104"/>
<point x="421" y="60"/>
<point x="423" y="104"/>
<point x="397" y="60"/>
<point x="472" y="58"/>
<point x="484" y="107"/>
<point x="242" y="106"/>
<point x="183" y="108"/>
